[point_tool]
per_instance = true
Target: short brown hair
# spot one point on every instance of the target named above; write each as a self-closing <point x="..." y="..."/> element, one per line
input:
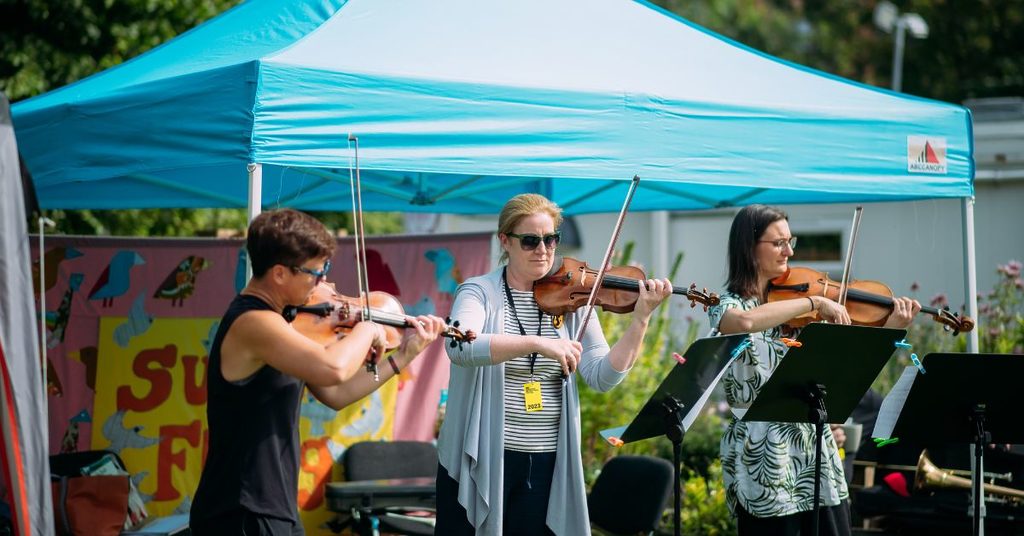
<point x="286" y="237"/>
<point x="522" y="206"/>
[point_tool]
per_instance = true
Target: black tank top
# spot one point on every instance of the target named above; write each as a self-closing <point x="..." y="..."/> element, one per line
<point x="253" y="456"/>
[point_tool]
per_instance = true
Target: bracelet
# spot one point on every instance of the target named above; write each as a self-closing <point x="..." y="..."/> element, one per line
<point x="394" y="366"/>
<point x="812" y="302"/>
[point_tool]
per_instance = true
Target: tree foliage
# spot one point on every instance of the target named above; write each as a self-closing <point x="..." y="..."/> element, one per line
<point x="973" y="48"/>
<point x="45" y="44"/>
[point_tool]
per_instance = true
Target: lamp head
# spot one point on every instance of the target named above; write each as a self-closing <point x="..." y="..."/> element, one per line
<point x="885" y="16"/>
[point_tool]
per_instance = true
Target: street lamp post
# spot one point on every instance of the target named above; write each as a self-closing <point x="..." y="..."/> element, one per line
<point x="890" y="20"/>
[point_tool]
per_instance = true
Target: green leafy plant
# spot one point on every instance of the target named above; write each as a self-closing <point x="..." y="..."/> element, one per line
<point x="704" y="510"/>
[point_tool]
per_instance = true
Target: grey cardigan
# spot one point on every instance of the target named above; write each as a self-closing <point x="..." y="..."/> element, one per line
<point x="471" y="443"/>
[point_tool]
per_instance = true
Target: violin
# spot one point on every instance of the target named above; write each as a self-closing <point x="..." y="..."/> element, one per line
<point x="869" y="303"/>
<point x="568" y="288"/>
<point x="329" y="315"/>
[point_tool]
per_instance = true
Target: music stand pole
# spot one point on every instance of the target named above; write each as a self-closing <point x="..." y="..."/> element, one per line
<point x="981" y="438"/>
<point x="674" y="432"/>
<point x="819" y="416"/>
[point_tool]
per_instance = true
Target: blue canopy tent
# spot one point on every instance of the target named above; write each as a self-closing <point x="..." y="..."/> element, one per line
<point x="459" y="104"/>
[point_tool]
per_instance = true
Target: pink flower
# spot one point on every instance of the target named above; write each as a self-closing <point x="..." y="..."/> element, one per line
<point x="1010" y="269"/>
<point x="1019" y="283"/>
<point x="939" y="300"/>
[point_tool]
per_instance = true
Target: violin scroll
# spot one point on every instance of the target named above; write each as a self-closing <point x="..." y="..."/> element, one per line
<point x="705" y="298"/>
<point x="458" y="337"/>
<point x="952" y="321"/>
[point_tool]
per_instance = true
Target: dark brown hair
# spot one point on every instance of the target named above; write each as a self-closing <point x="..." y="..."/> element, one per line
<point x="286" y="237"/>
<point x="747" y="228"/>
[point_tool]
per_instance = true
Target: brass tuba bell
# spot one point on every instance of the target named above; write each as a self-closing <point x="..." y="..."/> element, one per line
<point x="930" y="476"/>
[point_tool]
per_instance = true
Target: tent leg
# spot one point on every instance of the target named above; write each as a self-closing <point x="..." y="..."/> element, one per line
<point x="44" y="222"/>
<point x="255" y="203"/>
<point x="970" y="271"/>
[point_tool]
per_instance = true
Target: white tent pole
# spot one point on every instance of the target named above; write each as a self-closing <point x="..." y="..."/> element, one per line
<point x="44" y="222"/>
<point x="970" y="271"/>
<point x="255" y="203"/>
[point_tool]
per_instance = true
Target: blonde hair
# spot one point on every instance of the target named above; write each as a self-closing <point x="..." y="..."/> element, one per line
<point x="522" y="206"/>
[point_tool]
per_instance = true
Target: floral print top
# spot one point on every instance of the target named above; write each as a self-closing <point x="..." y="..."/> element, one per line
<point x="768" y="467"/>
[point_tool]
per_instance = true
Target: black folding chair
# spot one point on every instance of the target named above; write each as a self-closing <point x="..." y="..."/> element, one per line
<point x="374" y="498"/>
<point x="630" y="495"/>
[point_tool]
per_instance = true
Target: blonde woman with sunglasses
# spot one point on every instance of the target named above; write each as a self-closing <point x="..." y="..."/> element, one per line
<point x="509" y="448"/>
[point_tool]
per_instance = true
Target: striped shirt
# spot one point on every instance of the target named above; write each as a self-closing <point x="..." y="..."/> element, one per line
<point x="536" y="431"/>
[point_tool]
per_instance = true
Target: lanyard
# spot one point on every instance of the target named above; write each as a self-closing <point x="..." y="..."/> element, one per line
<point x="515" y="316"/>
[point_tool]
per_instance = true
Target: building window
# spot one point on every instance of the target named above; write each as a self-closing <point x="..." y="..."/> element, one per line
<point x="818" y="247"/>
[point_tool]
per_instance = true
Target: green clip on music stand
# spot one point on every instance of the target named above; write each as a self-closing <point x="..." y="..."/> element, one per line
<point x="960" y="398"/>
<point x="822" y="380"/>
<point x="675" y="404"/>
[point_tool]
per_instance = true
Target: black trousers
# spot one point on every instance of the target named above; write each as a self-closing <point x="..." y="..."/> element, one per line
<point x="242" y="522"/>
<point x="832" y="521"/>
<point x="527" y="487"/>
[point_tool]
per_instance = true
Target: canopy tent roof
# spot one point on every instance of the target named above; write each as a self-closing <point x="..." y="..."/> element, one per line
<point x="459" y="104"/>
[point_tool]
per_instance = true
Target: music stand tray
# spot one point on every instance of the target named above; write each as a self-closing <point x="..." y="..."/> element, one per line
<point x="960" y="398"/>
<point x="822" y="379"/>
<point x="676" y="403"/>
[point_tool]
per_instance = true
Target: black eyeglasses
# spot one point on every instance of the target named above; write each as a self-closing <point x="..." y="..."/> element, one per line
<point x="318" y="274"/>
<point x="781" y="243"/>
<point x="529" y="242"/>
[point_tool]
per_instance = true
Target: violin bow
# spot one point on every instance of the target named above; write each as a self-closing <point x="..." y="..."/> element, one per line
<point x="360" y="244"/>
<point x="854" y="228"/>
<point x="607" y="257"/>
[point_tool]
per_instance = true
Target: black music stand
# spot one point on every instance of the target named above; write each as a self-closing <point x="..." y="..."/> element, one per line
<point x="822" y="380"/>
<point x="960" y="398"/>
<point x="687" y="386"/>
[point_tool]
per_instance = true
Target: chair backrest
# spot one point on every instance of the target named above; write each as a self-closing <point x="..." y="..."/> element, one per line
<point x="630" y="494"/>
<point x="376" y="460"/>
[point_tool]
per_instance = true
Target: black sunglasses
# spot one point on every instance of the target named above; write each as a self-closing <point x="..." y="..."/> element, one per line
<point x="318" y="274"/>
<point x="529" y="242"/>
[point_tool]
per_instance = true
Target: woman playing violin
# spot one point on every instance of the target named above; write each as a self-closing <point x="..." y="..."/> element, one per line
<point x="510" y="445"/>
<point x="258" y="368"/>
<point x="768" y="468"/>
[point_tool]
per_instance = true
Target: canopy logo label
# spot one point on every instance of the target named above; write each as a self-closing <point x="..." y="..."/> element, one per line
<point x="926" y="154"/>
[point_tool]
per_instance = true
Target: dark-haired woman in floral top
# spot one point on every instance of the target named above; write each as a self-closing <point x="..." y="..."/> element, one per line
<point x="768" y="467"/>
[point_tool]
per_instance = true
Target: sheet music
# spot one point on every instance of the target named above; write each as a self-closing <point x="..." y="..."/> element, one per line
<point x="698" y="406"/>
<point x="892" y="406"/>
<point x="613" y="432"/>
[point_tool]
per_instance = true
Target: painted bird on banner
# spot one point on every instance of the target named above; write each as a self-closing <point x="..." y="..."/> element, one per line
<point x="181" y="282"/>
<point x="114" y="281"/>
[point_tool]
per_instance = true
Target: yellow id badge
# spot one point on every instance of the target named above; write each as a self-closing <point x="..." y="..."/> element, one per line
<point x="531" y="392"/>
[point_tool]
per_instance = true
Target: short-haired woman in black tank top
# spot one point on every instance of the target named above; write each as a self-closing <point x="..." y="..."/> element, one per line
<point x="257" y="370"/>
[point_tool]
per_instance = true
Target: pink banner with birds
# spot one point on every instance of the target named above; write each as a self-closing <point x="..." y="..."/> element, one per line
<point x="115" y="305"/>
